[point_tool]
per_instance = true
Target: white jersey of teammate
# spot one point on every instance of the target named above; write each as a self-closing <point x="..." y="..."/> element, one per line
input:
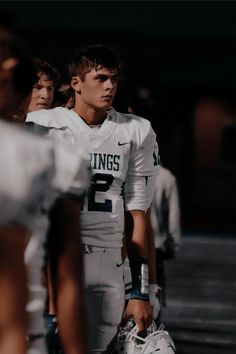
<point x="25" y="162"/>
<point x="165" y="209"/>
<point x="70" y="176"/>
<point x="34" y="172"/>
<point x="119" y="162"/>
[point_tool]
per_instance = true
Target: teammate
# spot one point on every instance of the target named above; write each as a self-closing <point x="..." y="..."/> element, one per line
<point x="165" y="223"/>
<point x="30" y="166"/>
<point x="15" y="183"/>
<point x="48" y="80"/>
<point x="123" y="154"/>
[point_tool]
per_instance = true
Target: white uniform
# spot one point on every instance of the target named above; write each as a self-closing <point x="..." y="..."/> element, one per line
<point x="34" y="172"/>
<point x="25" y="162"/>
<point x="70" y="175"/>
<point x="26" y="172"/>
<point x="165" y="209"/>
<point x="124" y="155"/>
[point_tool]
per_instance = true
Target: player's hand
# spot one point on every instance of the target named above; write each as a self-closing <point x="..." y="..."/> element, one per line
<point x="140" y="311"/>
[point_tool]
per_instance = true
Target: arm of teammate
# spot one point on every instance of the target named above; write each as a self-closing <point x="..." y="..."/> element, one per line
<point x="65" y="254"/>
<point x="13" y="289"/>
<point x="174" y="214"/>
<point x="138" y="306"/>
<point x="153" y="287"/>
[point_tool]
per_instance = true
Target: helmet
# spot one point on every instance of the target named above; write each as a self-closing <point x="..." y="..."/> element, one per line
<point x="130" y="341"/>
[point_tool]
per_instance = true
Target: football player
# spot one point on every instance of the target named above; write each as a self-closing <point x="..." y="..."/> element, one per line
<point x="47" y="82"/>
<point x="15" y="185"/>
<point x="30" y="166"/>
<point x="165" y="223"/>
<point x="123" y="154"/>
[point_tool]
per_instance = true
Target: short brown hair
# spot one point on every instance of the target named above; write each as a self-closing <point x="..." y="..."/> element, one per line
<point x="94" y="56"/>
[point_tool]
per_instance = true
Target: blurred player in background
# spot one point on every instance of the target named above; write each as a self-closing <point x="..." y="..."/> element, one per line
<point x="30" y="166"/>
<point x="165" y="223"/>
<point x="16" y="181"/>
<point x="48" y="81"/>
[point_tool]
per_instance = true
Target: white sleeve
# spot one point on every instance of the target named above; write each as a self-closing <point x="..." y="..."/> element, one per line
<point x="145" y="157"/>
<point x="141" y="175"/>
<point x="174" y="213"/>
<point x="71" y="171"/>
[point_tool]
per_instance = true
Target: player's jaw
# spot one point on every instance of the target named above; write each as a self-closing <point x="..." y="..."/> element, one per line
<point x="107" y="99"/>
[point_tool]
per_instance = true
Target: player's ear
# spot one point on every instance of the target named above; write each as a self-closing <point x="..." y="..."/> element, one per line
<point x="76" y="84"/>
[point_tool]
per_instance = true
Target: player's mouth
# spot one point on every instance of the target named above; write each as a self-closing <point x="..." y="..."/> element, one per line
<point x="108" y="97"/>
<point x="44" y="105"/>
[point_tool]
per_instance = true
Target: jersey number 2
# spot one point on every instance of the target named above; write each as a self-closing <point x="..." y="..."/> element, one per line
<point x="100" y="182"/>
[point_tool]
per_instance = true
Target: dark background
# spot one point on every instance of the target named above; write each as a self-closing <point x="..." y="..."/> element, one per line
<point x="177" y="54"/>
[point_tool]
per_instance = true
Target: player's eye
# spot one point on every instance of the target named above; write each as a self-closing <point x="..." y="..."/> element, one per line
<point x="102" y="78"/>
<point x="37" y="87"/>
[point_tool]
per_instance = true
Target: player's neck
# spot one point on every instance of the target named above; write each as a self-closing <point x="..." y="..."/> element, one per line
<point x="90" y="115"/>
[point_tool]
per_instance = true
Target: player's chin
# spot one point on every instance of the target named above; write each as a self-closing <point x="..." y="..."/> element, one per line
<point x="42" y="106"/>
<point x="105" y="105"/>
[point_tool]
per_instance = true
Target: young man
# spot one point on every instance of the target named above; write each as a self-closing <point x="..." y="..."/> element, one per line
<point x="165" y="223"/>
<point x="44" y="87"/>
<point x="15" y="186"/>
<point x="123" y="154"/>
<point x="30" y="166"/>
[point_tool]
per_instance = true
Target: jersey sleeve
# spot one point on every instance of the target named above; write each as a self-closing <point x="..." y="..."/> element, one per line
<point x="71" y="172"/>
<point x="174" y="213"/>
<point x="145" y="156"/>
<point x="143" y="169"/>
<point x="27" y="166"/>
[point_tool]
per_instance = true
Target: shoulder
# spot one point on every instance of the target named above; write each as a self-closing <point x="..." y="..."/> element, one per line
<point x="49" y="117"/>
<point x="133" y="120"/>
<point x="138" y="127"/>
<point x="166" y="177"/>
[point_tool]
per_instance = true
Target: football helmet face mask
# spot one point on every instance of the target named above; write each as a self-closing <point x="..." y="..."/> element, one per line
<point x="130" y="341"/>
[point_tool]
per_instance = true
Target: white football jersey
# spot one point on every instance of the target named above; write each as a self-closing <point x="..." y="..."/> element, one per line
<point x="123" y="154"/>
<point x="35" y="171"/>
<point x="165" y="209"/>
<point x="26" y="173"/>
<point x="70" y="176"/>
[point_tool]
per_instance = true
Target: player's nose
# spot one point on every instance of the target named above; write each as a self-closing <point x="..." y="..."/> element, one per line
<point x="44" y="93"/>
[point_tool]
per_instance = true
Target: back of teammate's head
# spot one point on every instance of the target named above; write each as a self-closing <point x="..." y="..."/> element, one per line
<point x="43" y="67"/>
<point x="17" y="73"/>
<point x="94" y="57"/>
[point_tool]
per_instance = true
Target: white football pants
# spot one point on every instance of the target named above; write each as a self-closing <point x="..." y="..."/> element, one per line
<point x="104" y="295"/>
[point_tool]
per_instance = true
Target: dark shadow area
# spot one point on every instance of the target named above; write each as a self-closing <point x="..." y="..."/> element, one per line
<point x="178" y="55"/>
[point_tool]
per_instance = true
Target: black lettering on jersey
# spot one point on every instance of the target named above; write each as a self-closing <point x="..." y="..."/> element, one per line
<point x="116" y="163"/>
<point x="101" y="161"/>
<point x="106" y="162"/>
<point x="94" y="160"/>
<point x="109" y="162"/>
<point x="100" y="182"/>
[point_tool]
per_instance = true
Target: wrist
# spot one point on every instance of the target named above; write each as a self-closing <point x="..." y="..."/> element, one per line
<point x="154" y="288"/>
<point x="140" y="279"/>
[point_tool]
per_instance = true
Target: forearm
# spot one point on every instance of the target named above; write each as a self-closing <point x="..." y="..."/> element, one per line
<point x="137" y="245"/>
<point x="151" y="250"/>
<point x="70" y="304"/>
<point x="67" y="277"/>
<point x="13" y="290"/>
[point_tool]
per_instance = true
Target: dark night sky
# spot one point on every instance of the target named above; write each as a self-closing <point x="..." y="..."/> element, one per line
<point x="175" y="41"/>
<point x="213" y="18"/>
